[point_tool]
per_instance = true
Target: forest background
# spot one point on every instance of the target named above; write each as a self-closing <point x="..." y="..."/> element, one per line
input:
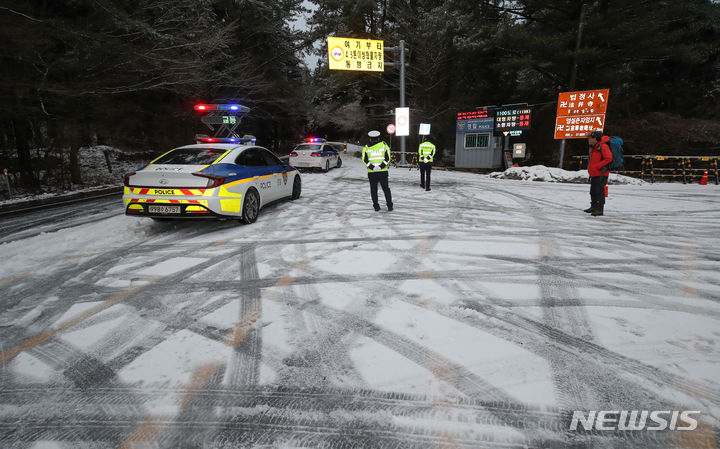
<point x="126" y="73"/>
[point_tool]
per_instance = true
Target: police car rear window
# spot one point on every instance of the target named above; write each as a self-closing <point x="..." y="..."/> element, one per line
<point x="308" y="147"/>
<point x="191" y="156"/>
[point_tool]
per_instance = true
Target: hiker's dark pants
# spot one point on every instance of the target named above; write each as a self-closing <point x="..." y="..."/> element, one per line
<point x="382" y="178"/>
<point x="597" y="191"/>
<point x="425" y="170"/>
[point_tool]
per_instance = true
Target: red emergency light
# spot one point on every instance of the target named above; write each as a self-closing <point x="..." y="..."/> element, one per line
<point x="205" y="107"/>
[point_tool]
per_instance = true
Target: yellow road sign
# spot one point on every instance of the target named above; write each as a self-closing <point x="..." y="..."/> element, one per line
<point x="363" y="55"/>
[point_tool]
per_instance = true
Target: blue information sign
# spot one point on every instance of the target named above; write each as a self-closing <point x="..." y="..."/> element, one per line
<point x="477" y="125"/>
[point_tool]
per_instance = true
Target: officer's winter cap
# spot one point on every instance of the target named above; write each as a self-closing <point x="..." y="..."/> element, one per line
<point x="374" y="133"/>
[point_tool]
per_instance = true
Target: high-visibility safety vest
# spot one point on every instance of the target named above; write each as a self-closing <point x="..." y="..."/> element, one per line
<point x="376" y="155"/>
<point x="426" y="150"/>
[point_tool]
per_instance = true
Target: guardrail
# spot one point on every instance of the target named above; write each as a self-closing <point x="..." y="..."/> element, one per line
<point x="687" y="169"/>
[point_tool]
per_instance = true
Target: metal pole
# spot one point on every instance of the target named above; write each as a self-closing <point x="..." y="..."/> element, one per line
<point x="573" y="69"/>
<point x="402" y="97"/>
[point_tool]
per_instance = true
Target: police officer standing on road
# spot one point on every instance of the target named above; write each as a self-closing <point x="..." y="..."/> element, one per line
<point x="377" y="158"/>
<point x="426" y="154"/>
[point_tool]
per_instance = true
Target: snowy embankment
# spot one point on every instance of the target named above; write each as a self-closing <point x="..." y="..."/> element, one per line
<point x="552" y="174"/>
<point x="101" y="167"/>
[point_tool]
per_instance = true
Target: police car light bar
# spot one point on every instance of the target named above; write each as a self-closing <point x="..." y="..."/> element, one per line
<point x="202" y="107"/>
<point x="225" y="139"/>
<point x="314" y="140"/>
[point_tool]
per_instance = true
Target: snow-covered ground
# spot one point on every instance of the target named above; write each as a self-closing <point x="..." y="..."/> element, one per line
<point x="476" y="315"/>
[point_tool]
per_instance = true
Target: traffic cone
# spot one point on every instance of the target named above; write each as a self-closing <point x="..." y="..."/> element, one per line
<point x="703" y="180"/>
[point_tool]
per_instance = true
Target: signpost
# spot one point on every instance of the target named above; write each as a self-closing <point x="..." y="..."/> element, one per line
<point x="363" y="55"/>
<point x="583" y="102"/>
<point x="402" y="121"/>
<point x="367" y="55"/>
<point x="578" y="126"/>
<point x="578" y="114"/>
<point x="519" y="150"/>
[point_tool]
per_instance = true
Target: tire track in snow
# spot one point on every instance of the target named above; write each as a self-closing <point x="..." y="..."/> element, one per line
<point x="324" y="417"/>
<point x="579" y="388"/>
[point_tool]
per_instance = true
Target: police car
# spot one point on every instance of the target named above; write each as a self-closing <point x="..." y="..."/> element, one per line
<point x="317" y="153"/>
<point x="217" y="177"/>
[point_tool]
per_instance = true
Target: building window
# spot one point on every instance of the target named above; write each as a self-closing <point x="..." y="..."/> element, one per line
<point x="477" y="141"/>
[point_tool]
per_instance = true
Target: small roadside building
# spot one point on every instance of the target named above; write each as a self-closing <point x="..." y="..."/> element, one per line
<point x="482" y="136"/>
<point x="475" y="144"/>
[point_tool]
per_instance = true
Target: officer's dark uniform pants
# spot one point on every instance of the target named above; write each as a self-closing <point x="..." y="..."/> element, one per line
<point x="597" y="192"/>
<point x="382" y="178"/>
<point x="425" y="170"/>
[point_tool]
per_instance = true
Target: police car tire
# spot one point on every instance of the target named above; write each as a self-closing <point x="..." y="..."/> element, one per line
<point x="251" y="206"/>
<point x="327" y="166"/>
<point x="297" y="188"/>
<point x="339" y="163"/>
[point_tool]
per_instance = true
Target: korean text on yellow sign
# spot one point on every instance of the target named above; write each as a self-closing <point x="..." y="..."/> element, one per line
<point x="364" y="55"/>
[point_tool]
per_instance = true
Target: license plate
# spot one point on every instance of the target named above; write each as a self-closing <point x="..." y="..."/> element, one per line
<point x="164" y="209"/>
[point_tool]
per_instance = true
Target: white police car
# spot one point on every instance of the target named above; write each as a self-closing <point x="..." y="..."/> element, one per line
<point x="221" y="178"/>
<point x="317" y="154"/>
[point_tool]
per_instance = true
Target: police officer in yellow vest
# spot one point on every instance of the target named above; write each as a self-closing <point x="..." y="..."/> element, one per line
<point x="426" y="154"/>
<point x="377" y="158"/>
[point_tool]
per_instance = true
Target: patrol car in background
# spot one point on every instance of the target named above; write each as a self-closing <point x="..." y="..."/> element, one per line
<point x="217" y="178"/>
<point x="317" y="153"/>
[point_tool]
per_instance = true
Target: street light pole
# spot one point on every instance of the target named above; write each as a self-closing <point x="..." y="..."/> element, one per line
<point x="400" y="49"/>
<point x="403" y="161"/>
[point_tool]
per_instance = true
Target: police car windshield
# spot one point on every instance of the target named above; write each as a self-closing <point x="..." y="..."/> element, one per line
<point x="191" y="156"/>
<point x="308" y="147"/>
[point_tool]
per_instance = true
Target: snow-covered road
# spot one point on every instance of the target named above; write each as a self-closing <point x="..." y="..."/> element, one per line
<point x="480" y="314"/>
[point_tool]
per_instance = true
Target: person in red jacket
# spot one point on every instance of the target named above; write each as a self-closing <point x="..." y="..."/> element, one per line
<point x="600" y="156"/>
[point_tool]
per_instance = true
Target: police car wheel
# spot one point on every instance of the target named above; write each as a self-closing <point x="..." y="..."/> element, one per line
<point x="251" y="206"/>
<point x="339" y="163"/>
<point x="327" y="166"/>
<point x="297" y="188"/>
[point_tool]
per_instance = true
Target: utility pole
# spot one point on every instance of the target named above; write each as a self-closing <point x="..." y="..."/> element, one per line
<point x="401" y="50"/>
<point x="573" y="70"/>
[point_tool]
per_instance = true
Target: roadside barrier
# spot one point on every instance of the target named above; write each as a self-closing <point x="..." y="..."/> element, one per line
<point x="687" y="169"/>
<point x="411" y="159"/>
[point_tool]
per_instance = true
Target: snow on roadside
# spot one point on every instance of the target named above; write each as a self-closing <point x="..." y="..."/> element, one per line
<point x="552" y="174"/>
<point x="95" y="171"/>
